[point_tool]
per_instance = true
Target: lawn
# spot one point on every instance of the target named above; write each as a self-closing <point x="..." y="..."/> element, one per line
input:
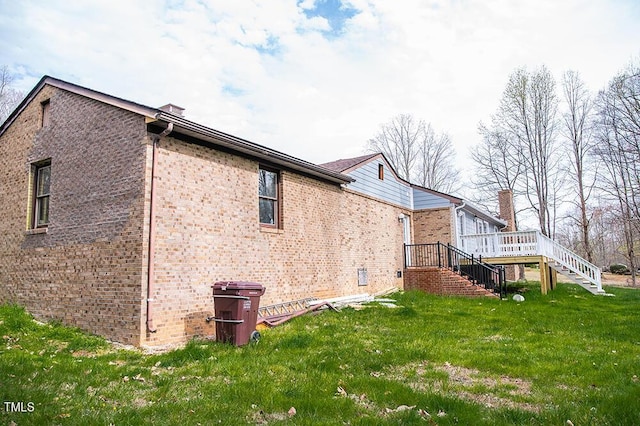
<point x="567" y="356"/>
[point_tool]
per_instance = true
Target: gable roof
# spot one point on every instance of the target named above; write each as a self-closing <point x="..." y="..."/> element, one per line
<point x="452" y="198"/>
<point x="163" y="119"/>
<point x="347" y="163"/>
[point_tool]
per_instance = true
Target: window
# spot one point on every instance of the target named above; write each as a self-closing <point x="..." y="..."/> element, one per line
<point x="41" y="194"/>
<point x="380" y="172"/>
<point x="269" y="197"/>
<point x="46" y="115"/>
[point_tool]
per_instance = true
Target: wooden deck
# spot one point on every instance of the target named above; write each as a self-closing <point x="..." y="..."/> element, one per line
<point x="548" y="276"/>
<point x="531" y="247"/>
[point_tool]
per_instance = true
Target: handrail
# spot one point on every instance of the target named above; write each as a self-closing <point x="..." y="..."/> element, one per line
<point x="447" y="256"/>
<point x="532" y="243"/>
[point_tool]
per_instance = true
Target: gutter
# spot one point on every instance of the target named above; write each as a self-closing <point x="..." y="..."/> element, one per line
<point x="151" y="255"/>
<point x="251" y="149"/>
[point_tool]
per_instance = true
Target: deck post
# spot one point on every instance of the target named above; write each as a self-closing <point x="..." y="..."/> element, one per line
<point x="544" y="276"/>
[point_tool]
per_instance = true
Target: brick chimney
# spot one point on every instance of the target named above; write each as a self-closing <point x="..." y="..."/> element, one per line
<point x="173" y="109"/>
<point x="507" y="211"/>
<point x="508" y="214"/>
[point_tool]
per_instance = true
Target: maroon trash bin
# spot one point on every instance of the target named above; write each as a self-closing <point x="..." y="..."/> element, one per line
<point x="236" y="311"/>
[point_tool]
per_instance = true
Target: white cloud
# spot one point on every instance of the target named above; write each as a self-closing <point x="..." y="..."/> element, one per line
<point x="265" y="72"/>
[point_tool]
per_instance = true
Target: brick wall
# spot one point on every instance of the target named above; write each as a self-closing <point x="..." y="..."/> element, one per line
<point x="87" y="269"/>
<point x="207" y="231"/>
<point x="434" y="225"/>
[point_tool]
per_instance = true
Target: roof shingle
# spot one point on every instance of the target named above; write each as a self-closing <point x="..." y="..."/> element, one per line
<point x="346" y="163"/>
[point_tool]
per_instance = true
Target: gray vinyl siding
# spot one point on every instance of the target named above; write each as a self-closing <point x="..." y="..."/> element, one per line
<point x="471" y="226"/>
<point x="389" y="189"/>
<point x="425" y="200"/>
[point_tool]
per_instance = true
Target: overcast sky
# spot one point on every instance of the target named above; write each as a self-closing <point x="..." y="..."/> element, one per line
<point x="316" y="79"/>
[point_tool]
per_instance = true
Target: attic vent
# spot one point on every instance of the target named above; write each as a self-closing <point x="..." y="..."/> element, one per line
<point x="173" y="109"/>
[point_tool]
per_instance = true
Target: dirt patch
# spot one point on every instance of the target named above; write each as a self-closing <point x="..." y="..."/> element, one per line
<point x="533" y="274"/>
<point x="619" y="280"/>
<point x="467" y="384"/>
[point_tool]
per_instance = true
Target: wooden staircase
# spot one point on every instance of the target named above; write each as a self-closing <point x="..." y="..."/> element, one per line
<point x="574" y="277"/>
<point x="509" y="247"/>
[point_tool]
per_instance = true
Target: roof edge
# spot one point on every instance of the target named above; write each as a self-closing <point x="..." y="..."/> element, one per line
<point x="198" y="130"/>
<point x="79" y="90"/>
<point x="252" y="149"/>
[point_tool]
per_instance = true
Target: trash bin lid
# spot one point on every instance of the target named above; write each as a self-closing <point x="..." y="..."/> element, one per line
<point x="237" y="285"/>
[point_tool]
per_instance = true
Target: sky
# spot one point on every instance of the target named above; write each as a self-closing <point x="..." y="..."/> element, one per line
<point x="317" y="78"/>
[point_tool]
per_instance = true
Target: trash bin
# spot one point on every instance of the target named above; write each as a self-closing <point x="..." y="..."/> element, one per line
<point x="236" y="311"/>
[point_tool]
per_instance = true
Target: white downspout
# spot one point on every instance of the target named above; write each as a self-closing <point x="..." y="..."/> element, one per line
<point x="456" y="227"/>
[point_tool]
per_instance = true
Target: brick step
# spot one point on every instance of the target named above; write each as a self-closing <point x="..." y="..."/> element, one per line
<point x="442" y="281"/>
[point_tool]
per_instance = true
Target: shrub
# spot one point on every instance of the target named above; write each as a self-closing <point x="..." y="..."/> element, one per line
<point x="618" y="268"/>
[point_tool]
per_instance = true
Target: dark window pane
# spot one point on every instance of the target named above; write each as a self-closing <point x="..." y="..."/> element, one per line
<point x="43" y="211"/>
<point x="268" y="184"/>
<point x="267" y="211"/>
<point x="44" y="180"/>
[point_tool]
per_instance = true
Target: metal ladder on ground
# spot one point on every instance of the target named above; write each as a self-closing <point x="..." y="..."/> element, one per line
<point x="285" y="308"/>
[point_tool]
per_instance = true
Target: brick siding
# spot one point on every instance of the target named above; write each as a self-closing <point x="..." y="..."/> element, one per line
<point x="432" y="226"/>
<point x="87" y="269"/>
<point x="207" y="230"/>
<point x="90" y="268"/>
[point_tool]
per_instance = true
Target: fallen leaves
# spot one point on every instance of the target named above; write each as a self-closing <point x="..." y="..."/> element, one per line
<point x="137" y="378"/>
<point x="365" y="402"/>
<point x="399" y="409"/>
<point x="262" y="418"/>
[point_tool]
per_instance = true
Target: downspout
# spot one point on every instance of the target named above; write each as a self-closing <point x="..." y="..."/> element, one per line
<point x="151" y="255"/>
<point x="457" y="218"/>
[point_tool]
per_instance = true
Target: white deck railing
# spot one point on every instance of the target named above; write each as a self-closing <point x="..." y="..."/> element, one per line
<point x="531" y="243"/>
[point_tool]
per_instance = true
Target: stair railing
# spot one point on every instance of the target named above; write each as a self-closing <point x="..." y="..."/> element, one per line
<point x="571" y="261"/>
<point x="439" y="255"/>
<point x="532" y="243"/>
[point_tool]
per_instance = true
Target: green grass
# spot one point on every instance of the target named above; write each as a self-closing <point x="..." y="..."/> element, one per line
<point x="565" y="356"/>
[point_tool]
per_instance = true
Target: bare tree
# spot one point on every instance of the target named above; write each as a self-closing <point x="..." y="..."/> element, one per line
<point x="399" y="140"/>
<point x="498" y="165"/>
<point x="436" y="169"/>
<point x="524" y="128"/>
<point x="605" y="235"/>
<point x="576" y="130"/>
<point x="618" y="136"/>
<point x="9" y="98"/>
<point x="418" y="154"/>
